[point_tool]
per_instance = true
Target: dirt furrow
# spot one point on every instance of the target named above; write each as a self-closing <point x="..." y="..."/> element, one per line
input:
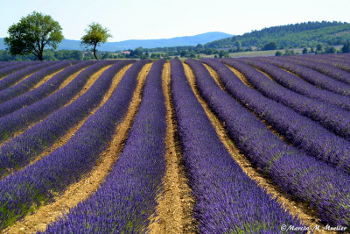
<point x="41" y="82"/>
<point x="175" y="204"/>
<point x="70" y="133"/>
<point x="86" y="87"/>
<point x="88" y="84"/>
<point x="264" y="73"/>
<point x="215" y="76"/>
<point x="240" y="76"/>
<point x="295" y="208"/>
<point x="80" y="191"/>
<point x="22" y="79"/>
<point x="70" y="78"/>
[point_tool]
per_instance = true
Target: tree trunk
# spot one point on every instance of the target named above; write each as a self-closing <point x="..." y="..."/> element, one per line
<point x="40" y="55"/>
<point x="94" y="50"/>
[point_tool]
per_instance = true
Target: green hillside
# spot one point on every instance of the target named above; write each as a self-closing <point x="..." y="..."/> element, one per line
<point x="290" y="36"/>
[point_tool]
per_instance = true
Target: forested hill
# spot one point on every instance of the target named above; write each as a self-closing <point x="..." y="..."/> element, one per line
<point x="292" y="35"/>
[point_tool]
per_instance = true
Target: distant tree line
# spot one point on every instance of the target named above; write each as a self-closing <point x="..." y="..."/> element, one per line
<point x="319" y="49"/>
<point x="162" y="53"/>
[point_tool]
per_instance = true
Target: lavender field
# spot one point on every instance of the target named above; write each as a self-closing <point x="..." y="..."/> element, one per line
<point x="246" y="145"/>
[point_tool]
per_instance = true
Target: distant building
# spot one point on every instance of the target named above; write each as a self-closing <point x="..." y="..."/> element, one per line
<point x="126" y="52"/>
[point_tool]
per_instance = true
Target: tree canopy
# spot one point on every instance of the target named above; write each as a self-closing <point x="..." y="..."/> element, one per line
<point x="94" y="36"/>
<point x="307" y="34"/>
<point x="32" y="34"/>
<point x="346" y="47"/>
<point x="270" y="46"/>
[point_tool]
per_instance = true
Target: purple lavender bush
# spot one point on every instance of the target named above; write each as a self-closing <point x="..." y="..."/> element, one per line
<point x="301" y="131"/>
<point x="23" y="117"/>
<point x="127" y="198"/>
<point x="226" y="199"/>
<point x="22" y="149"/>
<point x="42" y="91"/>
<point x="37" y="183"/>
<point x="31" y="81"/>
<point x="304" y="177"/>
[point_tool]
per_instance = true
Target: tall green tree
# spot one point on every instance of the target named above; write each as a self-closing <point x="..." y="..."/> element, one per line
<point x="32" y="34"/>
<point x="94" y="36"/>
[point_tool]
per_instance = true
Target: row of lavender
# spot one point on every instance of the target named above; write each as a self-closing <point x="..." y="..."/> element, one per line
<point x="7" y="68"/>
<point x="37" y="183"/>
<point x="26" y="115"/>
<point x="303" y="132"/>
<point x="296" y="172"/>
<point x="127" y="198"/>
<point x="214" y="209"/>
<point x="44" y="90"/>
<point x="31" y="81"/>
<point x="227" y="200"/>
<point x="20" y="150"/>
<point x="292" y="82"/>
<point x="15" y="73"/>
<point x="216" y="192"/>
<point x="340" y="61"/>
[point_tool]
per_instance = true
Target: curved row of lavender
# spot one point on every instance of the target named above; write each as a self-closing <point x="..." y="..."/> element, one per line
<point x="334" y="60"/>
<point x="4" y="64"/>
<point x="21" y="150"/>
<point x="298" y="85"/>
<point x="302" y="176"/>
<point x="303" y="132"/>
<point x="226" y="199"/>
<point x="23" y="117"/>
<point x="341" y="58"/>
<point x="42" y="91"/>
<point x="331" y="117"/>
<point x="127" y="198"/>
<point x="314" y="77"/>
<point x="37" y="183"/>
<point x="13" y="67"/>
<point x="326" y="69"/>
<point x="31" y="81"/>
<point x="19" y="74"/>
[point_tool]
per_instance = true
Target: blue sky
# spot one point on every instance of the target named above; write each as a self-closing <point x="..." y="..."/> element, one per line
<point x="142" y="19"/>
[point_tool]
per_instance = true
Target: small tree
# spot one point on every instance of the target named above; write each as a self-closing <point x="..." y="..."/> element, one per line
<point x="32" y="34"/>
<point x="319" y="49"/>
<point x="270" y="46"/>
<point x="223" y="54"/>
<point x="330" y="50"/>
<point x="305" y="50"/>
<point x="346" y="47"/>
<point x="95" y="36"/>
<point x="278" y="53"/>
